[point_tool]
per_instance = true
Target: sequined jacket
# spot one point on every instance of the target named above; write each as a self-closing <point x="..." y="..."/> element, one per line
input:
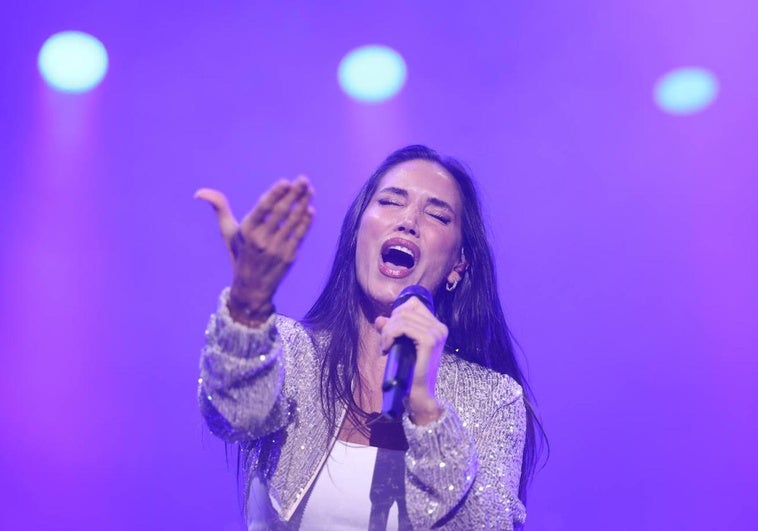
<point x="260" y="387"/>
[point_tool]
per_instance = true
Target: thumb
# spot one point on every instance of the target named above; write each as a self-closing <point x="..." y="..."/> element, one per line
<point x="226" y="220"/>
<point x="380" y="322"/>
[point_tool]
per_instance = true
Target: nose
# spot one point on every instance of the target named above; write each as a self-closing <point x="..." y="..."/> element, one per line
<point x="409" y="223"/>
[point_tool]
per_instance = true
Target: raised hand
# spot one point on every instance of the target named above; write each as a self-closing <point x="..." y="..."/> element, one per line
<point x="263" y="245"/>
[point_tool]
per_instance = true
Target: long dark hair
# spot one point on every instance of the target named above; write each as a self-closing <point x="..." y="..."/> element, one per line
<point x="472" y="312"/>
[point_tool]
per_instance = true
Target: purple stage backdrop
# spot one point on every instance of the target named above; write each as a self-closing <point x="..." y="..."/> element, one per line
<point x="625" y="237"/>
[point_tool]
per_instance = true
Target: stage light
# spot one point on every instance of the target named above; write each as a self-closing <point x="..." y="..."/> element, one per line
<point x="686" y="90"/>
<point x="72" y="61"/>
<point x="372" y="73"/>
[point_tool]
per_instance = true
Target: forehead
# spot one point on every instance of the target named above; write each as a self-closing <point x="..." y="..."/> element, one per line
<point x="425" y="178"/>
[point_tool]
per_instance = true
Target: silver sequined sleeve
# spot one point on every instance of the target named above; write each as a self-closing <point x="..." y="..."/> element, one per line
<point x="464" y="469"/>
<point x="241" y="378"/>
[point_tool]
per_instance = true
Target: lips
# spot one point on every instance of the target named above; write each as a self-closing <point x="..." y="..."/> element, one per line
<point x="398" y="258"/>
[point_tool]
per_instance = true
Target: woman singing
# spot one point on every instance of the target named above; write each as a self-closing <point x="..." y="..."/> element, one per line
<point x="302" y="398"/>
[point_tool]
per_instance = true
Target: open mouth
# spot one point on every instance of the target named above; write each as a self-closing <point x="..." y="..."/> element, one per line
<point x="399" y="254"/>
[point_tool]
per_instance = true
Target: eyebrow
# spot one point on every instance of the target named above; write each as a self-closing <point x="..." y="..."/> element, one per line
<point x="432" y="200"/>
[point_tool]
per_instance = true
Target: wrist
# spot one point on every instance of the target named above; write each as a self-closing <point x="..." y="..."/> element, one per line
<point x="246" y="310"/>
<point x="424" y="409"/>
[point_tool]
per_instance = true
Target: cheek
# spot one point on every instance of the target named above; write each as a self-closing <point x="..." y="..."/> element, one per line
<point x="369" y="229"/>
<point x="365" y="241"/>
<point x="448" y="249"/>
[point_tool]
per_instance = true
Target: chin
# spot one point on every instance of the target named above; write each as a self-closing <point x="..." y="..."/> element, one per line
<point x="383" y="292"/>
<point x="387" y="295"/>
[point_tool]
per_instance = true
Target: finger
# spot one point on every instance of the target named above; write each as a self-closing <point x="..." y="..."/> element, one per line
<point x="421" y="329"/>
<point x="420" y="316"/>
<point x="300" y="210"/>
<point x="415" y="316"/>
<point x="393" y="331"/>
<point x="413" y="305"/>
<point x="282" y="208"/>
<point x="267" y="201"/>
<point x="380" y="322"/>
<point x="226" y="220"/>
<point x="298" y="232"/>
<point x="425" y="326"/>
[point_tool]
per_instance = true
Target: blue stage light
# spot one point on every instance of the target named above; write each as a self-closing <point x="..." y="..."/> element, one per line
<point x="372" y="73"/>
<point x="72" y="61"/>
<point x="686" y="90"/>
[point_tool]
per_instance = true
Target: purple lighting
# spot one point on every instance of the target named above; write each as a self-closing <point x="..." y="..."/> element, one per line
<point x="624" y="236"/>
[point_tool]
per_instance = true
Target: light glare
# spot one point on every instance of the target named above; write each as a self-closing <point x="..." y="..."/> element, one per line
<point x="686" y="90"/>
<point x="72" y="61"/>
<point x="372" y="73"/>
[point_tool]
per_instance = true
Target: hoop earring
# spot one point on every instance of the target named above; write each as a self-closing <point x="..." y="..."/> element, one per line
<point x="451" y="287"/>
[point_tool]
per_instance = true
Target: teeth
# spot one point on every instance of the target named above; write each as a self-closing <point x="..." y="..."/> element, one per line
<point x="402" y="250"/>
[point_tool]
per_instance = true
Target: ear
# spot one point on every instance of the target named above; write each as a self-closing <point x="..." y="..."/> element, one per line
<point x="454" y="277"/>
<point x="456" y="274"/>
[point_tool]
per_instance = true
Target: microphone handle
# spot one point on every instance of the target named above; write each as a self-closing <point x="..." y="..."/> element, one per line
<point x="398" y="375"/>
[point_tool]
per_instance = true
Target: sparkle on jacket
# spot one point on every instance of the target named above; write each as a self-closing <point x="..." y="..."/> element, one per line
<point x="261" y="388"/>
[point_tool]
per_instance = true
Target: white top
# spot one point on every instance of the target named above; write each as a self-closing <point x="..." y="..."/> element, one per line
<point x="359" y="487"/>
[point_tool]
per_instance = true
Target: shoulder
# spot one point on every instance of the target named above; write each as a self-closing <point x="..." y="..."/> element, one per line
<point x="289" y="329"/>
<point x="472" y="387"/>
<point x="296" y="336"/>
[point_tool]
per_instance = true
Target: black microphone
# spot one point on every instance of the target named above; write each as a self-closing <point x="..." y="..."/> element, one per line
<point x="398" y="374"/>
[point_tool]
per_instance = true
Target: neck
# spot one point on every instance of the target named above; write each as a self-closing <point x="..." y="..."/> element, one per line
<point x="371" y="360"/>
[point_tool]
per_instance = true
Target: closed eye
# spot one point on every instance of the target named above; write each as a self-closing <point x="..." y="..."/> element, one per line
<point x="444" y="219"/>
<point x="387" y="202"/>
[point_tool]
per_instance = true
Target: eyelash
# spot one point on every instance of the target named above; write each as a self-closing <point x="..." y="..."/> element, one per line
<point x="442" y="219"/>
